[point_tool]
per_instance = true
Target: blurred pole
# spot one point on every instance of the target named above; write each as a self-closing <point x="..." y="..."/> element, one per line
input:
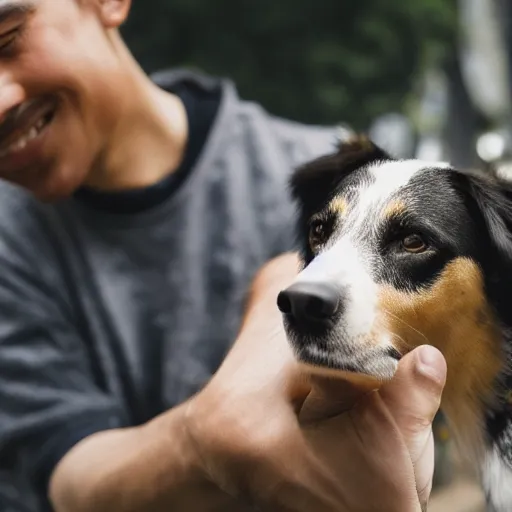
<point x="505" y="15"/>
<point x="462" y="123"/>
<point x="504" y="165"/>
<point x="432" y="116"/>
<point x="484" y="58"/>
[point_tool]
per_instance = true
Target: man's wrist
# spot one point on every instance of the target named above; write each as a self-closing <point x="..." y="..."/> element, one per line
<point x="175" y="462"/>
<point x="151" y="467"/>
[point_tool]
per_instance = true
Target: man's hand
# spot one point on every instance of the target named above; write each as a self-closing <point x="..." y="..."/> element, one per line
<point x="272" y="437"/>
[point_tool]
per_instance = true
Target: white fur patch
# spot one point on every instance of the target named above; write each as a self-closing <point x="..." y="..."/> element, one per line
<point x="391" y="177"/>
<point x="497" y="481"/>
<point x="388" y="179"/>
<point x="343" y="264"/>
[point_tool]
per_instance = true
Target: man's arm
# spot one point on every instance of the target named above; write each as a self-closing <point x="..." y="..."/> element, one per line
<point x="152" y="467"/>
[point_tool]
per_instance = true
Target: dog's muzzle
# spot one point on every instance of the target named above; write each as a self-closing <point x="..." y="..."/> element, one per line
<point x="313" y="311"/>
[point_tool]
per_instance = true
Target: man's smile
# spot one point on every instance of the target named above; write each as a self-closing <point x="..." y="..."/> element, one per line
<point x="21" y="131"/>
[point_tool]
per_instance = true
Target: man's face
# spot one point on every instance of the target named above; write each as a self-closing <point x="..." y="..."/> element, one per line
<point x="59" y="94"/>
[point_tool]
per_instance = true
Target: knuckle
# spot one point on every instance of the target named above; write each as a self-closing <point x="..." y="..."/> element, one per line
<point x="416" y="423"/>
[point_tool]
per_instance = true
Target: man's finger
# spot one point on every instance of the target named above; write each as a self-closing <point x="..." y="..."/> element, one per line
<point x="413" y="398"/>
<point x="331" y="396"/>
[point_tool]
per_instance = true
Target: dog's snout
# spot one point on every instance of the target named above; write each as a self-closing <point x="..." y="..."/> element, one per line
<point x="310" y="302"/>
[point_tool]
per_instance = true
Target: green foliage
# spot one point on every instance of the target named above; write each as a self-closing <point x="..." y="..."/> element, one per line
<point x="319" y="61"/>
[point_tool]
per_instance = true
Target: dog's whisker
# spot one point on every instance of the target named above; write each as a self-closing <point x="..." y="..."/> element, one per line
<point x="395" y="317"/>
<point x="404" y="343"/>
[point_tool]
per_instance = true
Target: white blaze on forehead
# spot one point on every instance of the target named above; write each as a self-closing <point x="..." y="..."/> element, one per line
<point x="387" y="179"/>
<point x="344" y="265"/>
<point x="392" y="175"/>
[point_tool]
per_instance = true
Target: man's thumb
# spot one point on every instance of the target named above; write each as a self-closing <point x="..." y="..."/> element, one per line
<point x="413" y="398"/>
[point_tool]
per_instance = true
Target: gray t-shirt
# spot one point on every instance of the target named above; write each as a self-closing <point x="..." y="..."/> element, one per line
<point x="109" y="319"/>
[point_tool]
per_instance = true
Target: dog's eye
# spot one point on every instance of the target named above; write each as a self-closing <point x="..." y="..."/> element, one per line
<point x="414" y="244"/>
<point x="317" y="233"/>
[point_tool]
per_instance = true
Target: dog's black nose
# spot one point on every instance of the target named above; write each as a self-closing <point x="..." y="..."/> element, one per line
<point x="310" y="302"/>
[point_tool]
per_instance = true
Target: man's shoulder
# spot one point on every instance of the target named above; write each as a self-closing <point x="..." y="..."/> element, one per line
<point x="306" y="141"/>
<point x="296" y="141"/>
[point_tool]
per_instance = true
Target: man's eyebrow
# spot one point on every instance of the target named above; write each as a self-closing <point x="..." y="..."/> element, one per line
<point x="11" y="9"/>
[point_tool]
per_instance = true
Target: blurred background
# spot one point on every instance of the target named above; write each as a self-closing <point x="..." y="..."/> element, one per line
<point x="426" y="78"/>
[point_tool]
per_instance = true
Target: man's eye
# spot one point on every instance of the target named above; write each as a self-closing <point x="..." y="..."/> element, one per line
<point x="8" y="39"/>
<point x="318" y="233"/>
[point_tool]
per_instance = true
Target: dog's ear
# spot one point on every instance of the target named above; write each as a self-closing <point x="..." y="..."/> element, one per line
<point x="492" y="198"/>
<point x="314" y="183"/>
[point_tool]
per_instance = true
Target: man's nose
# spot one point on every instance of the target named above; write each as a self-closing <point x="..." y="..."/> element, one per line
<point x="11" y="95"/>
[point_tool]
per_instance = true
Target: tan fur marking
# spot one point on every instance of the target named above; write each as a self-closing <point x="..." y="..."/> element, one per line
<point x="338" y="206"/>
<point x="454" y="316"/>
<point x="394" y="208"/>
<point x="358" y="141"/>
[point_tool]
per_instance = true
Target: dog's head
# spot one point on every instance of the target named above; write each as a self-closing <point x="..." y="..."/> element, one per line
<point x="397" y="253"/>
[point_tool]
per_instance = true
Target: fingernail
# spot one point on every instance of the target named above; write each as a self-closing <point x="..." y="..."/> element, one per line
<point x="432" y="362"/>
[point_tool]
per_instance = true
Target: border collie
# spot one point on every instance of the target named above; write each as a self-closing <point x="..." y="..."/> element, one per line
<point x="399" y="253"/>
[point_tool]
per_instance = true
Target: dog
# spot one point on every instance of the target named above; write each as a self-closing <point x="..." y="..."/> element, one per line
<point x="400" y="253"/>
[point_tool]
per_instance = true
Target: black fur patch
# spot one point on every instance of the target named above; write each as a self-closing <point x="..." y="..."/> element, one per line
<point x="489" y="202"/>
<point x="435" y="211"/>
<point x="315" y="183"/>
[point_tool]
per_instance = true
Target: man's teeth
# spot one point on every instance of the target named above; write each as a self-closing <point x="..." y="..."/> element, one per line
<point x="24" y="139"/>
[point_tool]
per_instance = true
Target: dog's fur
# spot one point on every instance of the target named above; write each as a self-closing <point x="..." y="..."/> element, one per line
<point x="357" y="209"/>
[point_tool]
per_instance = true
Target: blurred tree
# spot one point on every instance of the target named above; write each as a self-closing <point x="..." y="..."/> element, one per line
<point x="319" y="61"/>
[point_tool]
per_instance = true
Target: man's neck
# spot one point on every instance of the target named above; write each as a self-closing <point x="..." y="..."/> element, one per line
<point x="148" y="141"/>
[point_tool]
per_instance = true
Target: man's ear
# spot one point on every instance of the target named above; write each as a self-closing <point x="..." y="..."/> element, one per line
<point x="314" y="183"/>
<point x="113" y="13"/>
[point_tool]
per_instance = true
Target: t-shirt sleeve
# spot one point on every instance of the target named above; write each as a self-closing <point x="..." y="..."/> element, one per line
<point x="302" y="142"/>
<point x="50" y="398"/>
